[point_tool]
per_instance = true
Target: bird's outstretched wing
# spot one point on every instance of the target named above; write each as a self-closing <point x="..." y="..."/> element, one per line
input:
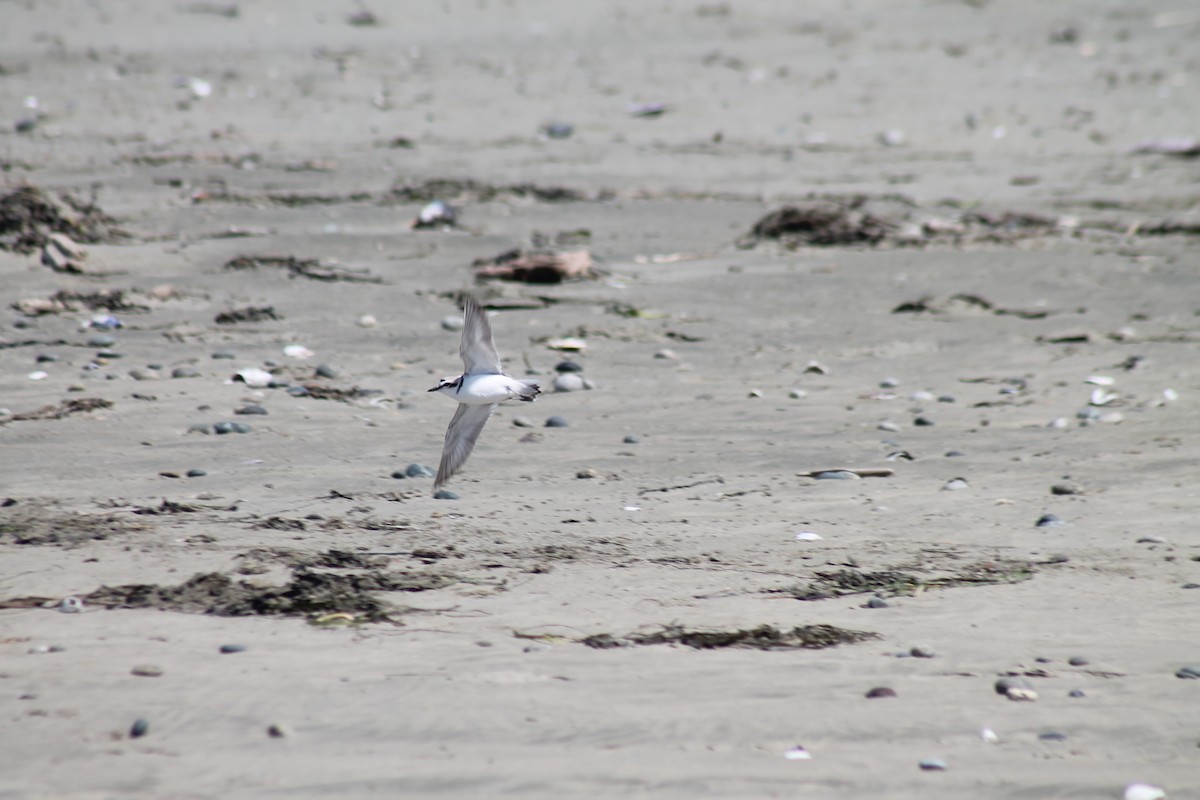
<point x="478" y="349"/>
<point x="464" y="430"/>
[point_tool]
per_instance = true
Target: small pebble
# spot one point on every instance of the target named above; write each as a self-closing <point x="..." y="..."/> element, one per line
<point x="298" y="391"/>
<point x="443" y="494"/>
<point x="589" y="384"/>
<point x="1188" y="673"/>
<point x="367" y="321"/>
<point x="144" y="375"/>
<point x="277" y="731"/>
<point x="889" y="383"/>
<point x="555" y="422"/>
<point x="808" y="536"/>
<point x="1058" y="422"/>
<point x="222" y="428"/>
<point x="587" y="473"/>
<point x="557" y="130"/>
<point x="1065" y="489"/>
<point x="946" y="398"/>
<point x="200" y="427"/>
<point x="240" y="427"/>
<point x="139" y="728"/>
<point x="878" y="602"/>
<point x="797" y="394"/>
<point x="297" y="351"/>
<point x="817" y="368"/>
<point x="418" y="471"/>
<point x="568" y="382"/>
<point x="1078" y="661"/>
<point x="224" y="354"/>
<point x="954" y="454"/>
<point x="185" y="372"/>
<point x="147" y="670"/>
<point x="837" y="475"/>
<point x="988" y="735"/>
<point x="933" y="765"/>
<point x="921" y="396"/>
<point x="325" y="371"/>
<point x="881" y="691"/>
<point x="195" y="473"/>
<point x="452" y="323"/>
<point x="1151" y="540"/>
<point x="522" y="422"/>
<point x="1049" y="521"/>
<point x="1052" y="736"/>
<point x="1076" y="693"/>
<point x="631" y="439"/>
<point x="954" y="485"/>
<point x="923" y="422"/>
<point x="666" y="354"/>
<point x="102" y="340"/>
<point x="888" y="425"/>
<point x="233" y="648"/>
<point x="921" y="651"/>
<point x="46" y="358"/>
<point x="251" y="410"/>
<point x="567" y="366"/>
<point x="39" y="375"/>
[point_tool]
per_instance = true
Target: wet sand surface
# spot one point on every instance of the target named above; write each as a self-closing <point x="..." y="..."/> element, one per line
<point x="982" y="298"/>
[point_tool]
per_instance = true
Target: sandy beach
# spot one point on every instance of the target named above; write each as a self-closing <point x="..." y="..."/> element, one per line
<point x="879" y="387"/>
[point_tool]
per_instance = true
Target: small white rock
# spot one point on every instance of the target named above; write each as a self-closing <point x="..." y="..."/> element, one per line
<point x="988" y="735"/>
<point x="954" y="484"/>
<point x="1143" y="791"/>
<point x="1058" y="422"/>
<point x="39" y="375"/>
<point x="797" y="753"/>
<point x="297" y="351"/>
<point x="816" y="367"/>
<point x="808" y="536"/>
<point x="1020" y="693"/>
<point x="1170" y="395"/>
<point x="666" y="354"/>
<point x="1100" y="380"/>
<point x="1100" y="397"/>
<point x="921" y="396"/>
<point x="755" y="393"/>
<point x="70" y="605"/>
<point x="568" y="343"/>
<point x="254" y="378"/>
<point x="633" y="508"/>
<point x="1111" y="417"/>
<point x="568" y="382"/>
<point x="452" y="323"/>
<point x="200" y="88"/>
<point x="367" y="321"/>
<point x="888" y="425"/>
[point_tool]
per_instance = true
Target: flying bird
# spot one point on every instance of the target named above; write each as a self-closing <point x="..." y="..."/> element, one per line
<point x="482" y="386"/>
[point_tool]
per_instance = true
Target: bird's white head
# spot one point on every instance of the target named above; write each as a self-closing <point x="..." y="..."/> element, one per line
<point x="447" y="383"/>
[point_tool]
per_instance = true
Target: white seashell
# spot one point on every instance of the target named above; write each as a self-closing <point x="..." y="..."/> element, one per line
<point x="1100" y="380"/>
<point x="797" y="753"/>
<point x="571" y="343"/>
<point x="633" y="508"/>
<point x="988" y="735"/>
<point x="808" y="536"/>
<point x="1100" y="397"/>
<point x="1170" y="395"/>
<point x="200" y="88"/>
<point x="70" y="605"/>
<point x="954" y="484"/>
<point x="39" y="375"/>
<point x="254" y="377"/>
<point x="816" y="367"/>
<point x="1058" y="422"/>
<point x="1143" y="791"/>
<point x="297" y="351"/>
<point x="367" y="321"/>
<point x="1021" y="693"/>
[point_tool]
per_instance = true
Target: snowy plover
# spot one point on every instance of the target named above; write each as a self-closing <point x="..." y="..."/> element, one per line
<point x="482" y="387"/>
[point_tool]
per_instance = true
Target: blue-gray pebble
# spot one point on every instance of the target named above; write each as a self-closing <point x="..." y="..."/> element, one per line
<point x="556" y="422"/>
